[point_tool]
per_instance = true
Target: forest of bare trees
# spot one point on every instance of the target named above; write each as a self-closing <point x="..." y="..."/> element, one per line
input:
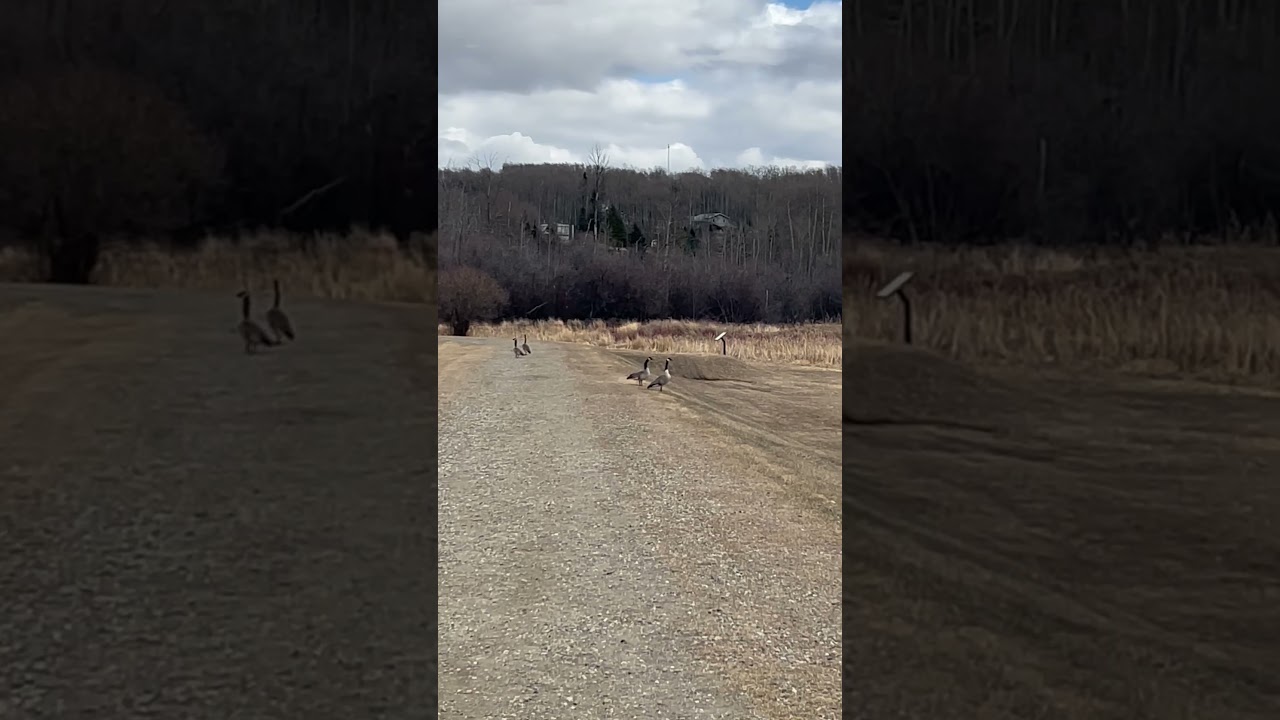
<point x="979" y="120"/>
<point x="170" y="119"/>
<point x="594" y="241"/>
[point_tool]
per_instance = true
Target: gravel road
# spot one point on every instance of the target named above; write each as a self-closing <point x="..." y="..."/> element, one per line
<point x="190" y="532"/>
<point x="594" y="564"/>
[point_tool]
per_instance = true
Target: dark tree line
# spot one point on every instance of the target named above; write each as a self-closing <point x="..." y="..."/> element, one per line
<point x="1068" y="121"/>
<point x="632" y="247"/>
<point x="174" y="118"/>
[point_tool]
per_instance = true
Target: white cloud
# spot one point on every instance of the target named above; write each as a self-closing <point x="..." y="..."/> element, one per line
<point x="679" y="157"/>
<point x="723" y="82"/>
<point x="755" y="157"/>
<point x="459" y="148"/>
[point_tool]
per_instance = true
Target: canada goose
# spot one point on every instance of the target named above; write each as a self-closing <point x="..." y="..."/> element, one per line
<point x="525" y="346"/>
<point x="250" y="331"/>
<point x="516" y="346"/>
<point x="276" y="319"/>
<point x="642" y="374"/>
<point x="663" y="379"/>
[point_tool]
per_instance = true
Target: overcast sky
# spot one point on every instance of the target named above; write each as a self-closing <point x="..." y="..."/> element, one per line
<point x="727" y="83"/>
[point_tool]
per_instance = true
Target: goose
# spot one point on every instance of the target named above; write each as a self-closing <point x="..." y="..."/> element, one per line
<point x="250" y="331"/>
<point x="525" y="346"/>
<point x="516" y="346"/>
<point x="661" y="381"/>
<point x="642" y="374"/>
<point x="277" y="320"/>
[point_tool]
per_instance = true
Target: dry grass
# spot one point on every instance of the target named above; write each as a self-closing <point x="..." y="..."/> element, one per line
<point x="1206" y="312"/>
<point x="817" y="345"/>
<point x="18" y="264"/>
<point x="360" y="266"/>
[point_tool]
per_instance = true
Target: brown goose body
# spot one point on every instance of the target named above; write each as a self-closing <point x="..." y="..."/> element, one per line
<point x="661" y="381"/>
<point x="251" y="332"/>
<point x="277" y="320"/>
<point x="642" y="374"/>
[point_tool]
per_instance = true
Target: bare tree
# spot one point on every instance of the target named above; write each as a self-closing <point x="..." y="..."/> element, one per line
<point x="598" y="161"/>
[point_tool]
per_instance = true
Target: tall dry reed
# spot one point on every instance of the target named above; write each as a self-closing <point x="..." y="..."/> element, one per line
<point x="816" y="344"/>
<point x="1211" y="312"/>
<point x="359" y="266"/>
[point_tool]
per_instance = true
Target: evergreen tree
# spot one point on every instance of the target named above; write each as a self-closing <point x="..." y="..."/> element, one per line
<point x="616" y="227"/>
<point x="692" y="242"/>
<point x="636" y="238"/>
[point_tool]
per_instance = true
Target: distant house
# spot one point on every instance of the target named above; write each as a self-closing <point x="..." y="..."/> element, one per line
<point x="564" y="231"/>
<point x="710" y="221"/>
<point x="706" y="225"/>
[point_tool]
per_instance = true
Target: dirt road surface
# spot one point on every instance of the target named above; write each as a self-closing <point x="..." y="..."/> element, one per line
<point x="1025" y="546"/>
<point x="190" y="532"/>
<point x="612" y="552"/>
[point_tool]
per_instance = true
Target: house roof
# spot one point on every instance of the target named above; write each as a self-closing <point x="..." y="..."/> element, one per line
<point x="714" y="218"/>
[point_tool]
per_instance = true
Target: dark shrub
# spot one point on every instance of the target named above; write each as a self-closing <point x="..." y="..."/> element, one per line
<point x="467" y="295"/>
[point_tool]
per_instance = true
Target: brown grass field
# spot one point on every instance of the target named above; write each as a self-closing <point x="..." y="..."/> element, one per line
<point x="360" y="266"/>
<point x="814" y="344"/>
<point x="1202" y="312"/>
<point x="1062" y="503"/>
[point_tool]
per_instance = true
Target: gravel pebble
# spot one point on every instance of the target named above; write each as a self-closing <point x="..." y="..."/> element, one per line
<point x="188" y="532"/>
<point x="586" y="564"/>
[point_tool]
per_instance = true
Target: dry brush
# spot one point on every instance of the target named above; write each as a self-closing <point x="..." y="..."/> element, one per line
<point x="1208" y="312"/>
<point x="811" y="344"/>
<point x="358" y="266"/>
